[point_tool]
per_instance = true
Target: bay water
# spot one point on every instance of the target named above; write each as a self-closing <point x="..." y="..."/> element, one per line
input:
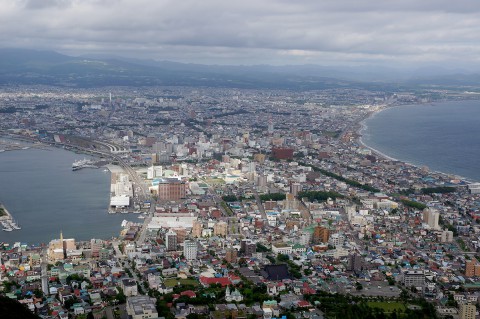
<point x="443" y="136"/>
<point x="45" y="196"/>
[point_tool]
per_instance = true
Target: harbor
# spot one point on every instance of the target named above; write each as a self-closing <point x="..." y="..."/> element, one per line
<point x="88" y="163"/>
<point x="13" y="145"/>
<point x="81" y="202"/>
<point x="6" y="220"/>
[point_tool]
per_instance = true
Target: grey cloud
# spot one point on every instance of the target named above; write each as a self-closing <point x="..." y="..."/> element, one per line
<point x="307" y="31"/>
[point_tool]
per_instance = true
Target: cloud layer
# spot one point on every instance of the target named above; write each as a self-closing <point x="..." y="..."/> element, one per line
<point x="407" y="32"/>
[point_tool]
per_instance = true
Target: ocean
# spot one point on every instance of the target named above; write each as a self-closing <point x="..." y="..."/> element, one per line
<point x="45" y="196"/>
<point x="443" y="136"/>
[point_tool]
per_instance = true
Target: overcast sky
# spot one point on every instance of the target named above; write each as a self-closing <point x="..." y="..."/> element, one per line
<point x="326" y="32"/>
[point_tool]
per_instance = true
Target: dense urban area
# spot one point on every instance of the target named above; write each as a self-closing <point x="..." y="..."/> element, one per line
<point x="250" y="204"/>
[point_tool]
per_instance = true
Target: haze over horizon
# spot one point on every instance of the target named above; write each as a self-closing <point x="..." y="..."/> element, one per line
<point x="406" y="34"/>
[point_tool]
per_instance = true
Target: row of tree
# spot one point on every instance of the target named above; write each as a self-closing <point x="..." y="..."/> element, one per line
<point x="347" y="181"/>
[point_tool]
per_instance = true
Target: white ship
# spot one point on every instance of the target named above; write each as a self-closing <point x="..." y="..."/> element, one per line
<point x="83" y="164"/>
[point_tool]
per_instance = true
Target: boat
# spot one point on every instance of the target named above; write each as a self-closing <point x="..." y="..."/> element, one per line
<point x="141" y="217"/>
<point x="85" y="163"/>
<point x="112" y="212"/>
<point x="14" y="225"/>
<point x="7" y="229"/>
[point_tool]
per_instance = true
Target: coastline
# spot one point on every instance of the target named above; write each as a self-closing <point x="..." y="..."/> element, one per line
<point x="363" y="127"/>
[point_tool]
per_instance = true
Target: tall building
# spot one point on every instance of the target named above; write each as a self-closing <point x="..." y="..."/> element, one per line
<point x="171" y="240"/>
<point x="414" y="278"/>
<point x="355" y="262"/>
<point x="231" y="255"/>
<point x="320" y="235"/>
<point x="247" y="247"/>
<point x="467" y="311"/>
<point x="220" y="229"/>
<point x="472" y="268"/>
<point x="336" y="240"/>
<point x="58" y="248"/>
<point x="270" y="126"/>
<point x="171" y="189"/>
<point x="431" y="218"/>
<point x="190" y="249"/>
<point x="295" y="188"/>
<point x="154" y="171"/>
<point x="447" y="236"/>
<point x="290" y="202"/>
<point x="197" y="228"/>
<point x="181" y="234"/>
<point x="282" y="153"/>
<point x="262" y="180"/>
<point x="96" y="245"/>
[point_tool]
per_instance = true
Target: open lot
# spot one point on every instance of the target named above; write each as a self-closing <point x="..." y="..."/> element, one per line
<point x="387" y="306"/>
<point x="174" y="282"/>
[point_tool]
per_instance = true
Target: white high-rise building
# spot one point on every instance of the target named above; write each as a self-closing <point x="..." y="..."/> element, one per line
<point x="447" y="236"/>
<point x="431" y="218"/>
<point x="190" y="249"/>
<point x="270" y="126"/>
<point x="154" y="171"/>
<point x="336" y="240"/>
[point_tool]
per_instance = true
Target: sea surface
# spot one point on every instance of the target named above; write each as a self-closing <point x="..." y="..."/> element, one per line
<point x="44" y="195"/>
<point x="443" y="136"/>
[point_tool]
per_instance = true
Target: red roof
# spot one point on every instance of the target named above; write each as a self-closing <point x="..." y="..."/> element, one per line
<point x="303" y="303"/>
<point x="224" y="281"/>
<point x="188" y="293"/>
<point x="308" y="291"/>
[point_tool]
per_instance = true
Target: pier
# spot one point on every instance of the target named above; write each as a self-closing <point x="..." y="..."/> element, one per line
<point x="6" y="145"/>
<point x="6" y="220"/>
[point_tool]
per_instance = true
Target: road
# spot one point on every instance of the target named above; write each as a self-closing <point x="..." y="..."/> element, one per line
<point x="260" y="204"/>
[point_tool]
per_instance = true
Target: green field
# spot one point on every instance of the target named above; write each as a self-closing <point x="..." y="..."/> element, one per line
<point x="388" y="307"/>
<point x="173" y="282"/>
<point x="214" y="181"/>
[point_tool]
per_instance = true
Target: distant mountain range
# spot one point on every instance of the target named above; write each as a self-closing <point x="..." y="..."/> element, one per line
<point x="21" y="66"/>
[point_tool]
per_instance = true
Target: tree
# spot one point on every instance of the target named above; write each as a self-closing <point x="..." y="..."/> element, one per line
<point x="70" y="302"/>
<point x="121" y="296"/>
<point x="38" y="293"/>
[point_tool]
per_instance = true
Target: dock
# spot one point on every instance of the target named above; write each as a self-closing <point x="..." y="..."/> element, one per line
<point x="6" y="220"/>
<point x="6" y="145"/>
